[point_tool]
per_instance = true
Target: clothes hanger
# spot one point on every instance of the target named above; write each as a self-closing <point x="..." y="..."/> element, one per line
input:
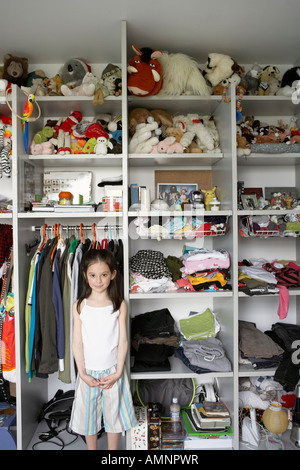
<point x="104" y="240"/>
<point x="44" y="239"/>
<point x="81" y="233"/>
<point x="95" y="245"/>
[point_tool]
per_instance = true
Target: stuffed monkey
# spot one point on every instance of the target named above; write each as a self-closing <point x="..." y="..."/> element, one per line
<point x="64" y="129"/>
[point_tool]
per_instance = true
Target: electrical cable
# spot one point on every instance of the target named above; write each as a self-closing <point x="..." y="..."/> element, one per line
<point x="46" y="438"/>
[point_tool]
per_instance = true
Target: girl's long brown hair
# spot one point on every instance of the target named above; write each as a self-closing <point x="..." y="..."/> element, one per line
<point x="90" y="257"/>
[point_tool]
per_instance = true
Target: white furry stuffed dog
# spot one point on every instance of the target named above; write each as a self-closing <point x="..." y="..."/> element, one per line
<point x="181" y="76"/>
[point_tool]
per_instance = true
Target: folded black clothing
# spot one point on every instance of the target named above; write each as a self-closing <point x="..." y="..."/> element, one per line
<point x="157" y="323"/>
<point x="140" y="366"/>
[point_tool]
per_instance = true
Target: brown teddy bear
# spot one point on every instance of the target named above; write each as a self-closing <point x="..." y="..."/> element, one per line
<point x="269" y="81"/>
<point x="15" y="69"/>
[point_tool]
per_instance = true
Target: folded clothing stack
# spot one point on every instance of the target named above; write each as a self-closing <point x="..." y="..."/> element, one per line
<point x="258" y="348"/>
<point x="200" y="350"/>
<point x="149" y="272"/>
<point x="153" y="340"/>
<point x="204" y="269"/>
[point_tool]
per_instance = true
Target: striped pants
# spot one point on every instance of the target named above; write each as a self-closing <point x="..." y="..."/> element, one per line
<point x="92" y="404"/>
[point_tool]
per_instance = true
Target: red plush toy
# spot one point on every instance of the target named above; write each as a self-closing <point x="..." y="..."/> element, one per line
<point x="144" y="72"/>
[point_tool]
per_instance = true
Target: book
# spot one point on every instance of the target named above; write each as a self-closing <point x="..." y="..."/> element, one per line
<point x="217" y="408"/>
<point x="134" y="191"/>
<point x="74" y="208"/>
<point x="194" y="429"/>
<point x="42" y="207"/>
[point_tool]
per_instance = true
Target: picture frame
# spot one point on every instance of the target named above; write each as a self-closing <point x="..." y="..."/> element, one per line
<point x="249" y="201"/>
<point x="292" y="190"/>
<point x="257" y="191"/>
<point x="172" y="192"/>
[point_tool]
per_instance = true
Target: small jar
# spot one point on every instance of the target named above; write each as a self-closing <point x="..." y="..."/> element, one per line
<point x="65" y="197"/>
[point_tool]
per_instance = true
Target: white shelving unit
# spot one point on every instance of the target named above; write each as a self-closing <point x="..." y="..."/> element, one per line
<point x="226" y="169"/>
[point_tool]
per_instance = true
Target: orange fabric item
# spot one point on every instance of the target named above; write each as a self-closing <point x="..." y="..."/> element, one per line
<point x="8" y="352"/>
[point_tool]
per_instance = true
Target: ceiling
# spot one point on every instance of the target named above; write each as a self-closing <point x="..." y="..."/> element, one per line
<point x="263" y="31"/>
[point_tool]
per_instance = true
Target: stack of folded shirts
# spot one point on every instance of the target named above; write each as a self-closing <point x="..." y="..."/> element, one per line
<point x="205" y="269"/>
<point x="255" y="279"/>
<point x="204" y="355"/>
<point x="200" y="350"/>
<point x="149" y="272"/>
<point x="153" y="340"/>
<point x="257" y="348"/>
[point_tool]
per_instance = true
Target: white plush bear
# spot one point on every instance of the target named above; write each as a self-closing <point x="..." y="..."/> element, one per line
<point x="194" y="129"/>
<point x="102" y="145"/>
<point x="145" y="137"/>
<point x="86" y="88"/>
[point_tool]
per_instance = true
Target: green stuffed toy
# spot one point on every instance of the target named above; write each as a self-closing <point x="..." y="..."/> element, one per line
<point x="43" y="135"/>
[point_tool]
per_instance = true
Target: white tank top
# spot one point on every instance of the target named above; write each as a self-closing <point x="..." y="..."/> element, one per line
<point x="100" y="335"/>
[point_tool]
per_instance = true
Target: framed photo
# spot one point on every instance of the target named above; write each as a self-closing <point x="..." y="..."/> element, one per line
<point x="257" y="191"/>
<point x="171" y="193"/>
<point x="249" y="201"/>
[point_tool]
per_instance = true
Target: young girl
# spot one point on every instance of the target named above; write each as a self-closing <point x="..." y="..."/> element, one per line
<point x="100" y="347"/>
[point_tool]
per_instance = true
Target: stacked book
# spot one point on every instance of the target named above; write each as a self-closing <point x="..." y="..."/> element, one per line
<point x="79" y="208"/>
<point x="212" y="415"/>
<point x="42" y="207"/>
<point x="208" y="426"/>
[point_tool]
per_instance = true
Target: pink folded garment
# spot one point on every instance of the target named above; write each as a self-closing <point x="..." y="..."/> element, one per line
<point x="190" y="267"/>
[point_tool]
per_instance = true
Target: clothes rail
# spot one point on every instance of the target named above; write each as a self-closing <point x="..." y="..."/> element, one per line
<point x="35" y="228"/>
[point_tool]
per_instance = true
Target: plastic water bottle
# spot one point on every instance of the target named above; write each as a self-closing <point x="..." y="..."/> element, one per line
<point x="175" y="410"/>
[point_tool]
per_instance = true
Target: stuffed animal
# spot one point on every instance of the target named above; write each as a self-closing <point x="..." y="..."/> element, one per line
<point x="114" y="128"/>
<point x="168" y="145"/>
<point x="220" y="67"/>
<point x="86" y="88"/>
<point x="73" y="71"/>
<point x="112" y="79"/>
<point x="42" y="136"/>
<point x="137" y="116"/>
<point x="269" y="81"/>
<point x="193" y="128"/>
<point x="38" y="87"/>
<point x="3" y="86"/>
<point x="64" y="129"/>
<point x="251" y="80"/>
<point x="102" y="145"/>
<point x="44" y="148"/>
<point x="5" y="152"/>
<point x="144" y="72"/>
<point x="243" y="146"/>
<point x="15" y="69"/>
<point x="290" y="82"/>
<point x="141" y="115"/>
<point x="182" y="76"/>
<point x="89" y="146"/>
<point x="145" y="137"/>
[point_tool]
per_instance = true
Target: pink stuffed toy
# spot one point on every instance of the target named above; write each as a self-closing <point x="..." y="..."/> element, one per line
<point x="45" y="148"/>
<point x="168" y="145"/>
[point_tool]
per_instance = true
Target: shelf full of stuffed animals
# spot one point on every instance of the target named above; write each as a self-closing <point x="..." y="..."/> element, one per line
<point x="154" y="72"/>
<point x="76" y="136"/>
<point x="156" y="131"/>
<point x="256" y="137"/>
